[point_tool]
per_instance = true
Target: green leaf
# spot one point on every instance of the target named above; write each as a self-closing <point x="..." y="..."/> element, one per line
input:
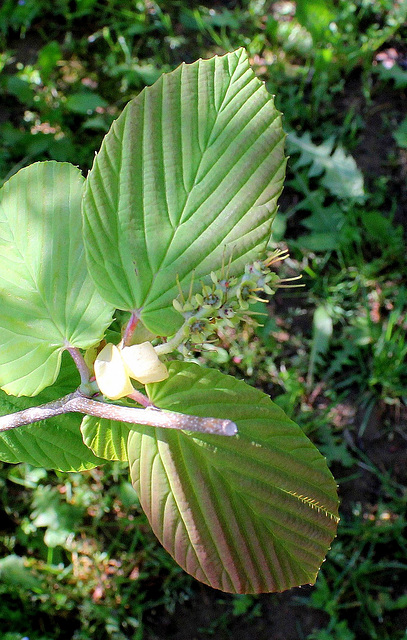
<point x="395" y="73"/>
<point x="400" y="135"/>
<point x="48" y="57"/>
<point x="47" y="300"/>
<point x="13" y="571"/>
<point x="19" y="88"/>
<point x="55" y="443"/>
<point x="379" y="226"/>
<point x="326" y="224"/>
<point x="188" y="176"/>
<point x="106" y="438"/>
<point x="317" y="16"/>
<point x="248" y="514"/>
<point x="55" y="514"/>
<point x="320" y="241"/>
<point x="342" y="176"/>
<point x="85" y="102"/>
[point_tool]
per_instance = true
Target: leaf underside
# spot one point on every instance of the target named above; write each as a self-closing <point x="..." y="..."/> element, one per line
<point x="247" y="514"/>
<point x="47" y="299"/>
<point x="106" y="438"/>
<point x="187" y="178"/>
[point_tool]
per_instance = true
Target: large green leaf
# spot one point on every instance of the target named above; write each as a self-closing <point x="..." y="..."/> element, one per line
<point x="247" y="514"/>
<point x="47" y="300"/>
<point x="188" y="176"/>
<point x="55" y="443"/>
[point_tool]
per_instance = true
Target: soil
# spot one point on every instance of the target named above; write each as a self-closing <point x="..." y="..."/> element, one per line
<point x="283" y="617"/>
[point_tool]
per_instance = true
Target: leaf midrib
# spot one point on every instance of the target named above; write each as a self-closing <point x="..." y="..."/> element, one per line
<point x="207" y="146"/>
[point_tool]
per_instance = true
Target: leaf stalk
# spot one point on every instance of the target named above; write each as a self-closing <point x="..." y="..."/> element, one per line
<point x="80" y="364"/>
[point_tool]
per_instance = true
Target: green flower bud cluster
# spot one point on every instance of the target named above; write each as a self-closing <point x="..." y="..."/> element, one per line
<point x="226" y="300"/>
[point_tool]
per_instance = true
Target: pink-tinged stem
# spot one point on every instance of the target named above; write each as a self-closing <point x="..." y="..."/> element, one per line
<point x="80" y="364"/>
<point x="130" y="328"/>
<point x="139" y="397"/>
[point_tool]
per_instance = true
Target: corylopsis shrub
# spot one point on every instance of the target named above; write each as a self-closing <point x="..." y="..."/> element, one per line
<point x="170" y="227"/>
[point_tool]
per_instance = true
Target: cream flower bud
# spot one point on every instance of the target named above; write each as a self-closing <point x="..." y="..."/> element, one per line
<point x="111" y="373"/>
<point x="143" y="364"/>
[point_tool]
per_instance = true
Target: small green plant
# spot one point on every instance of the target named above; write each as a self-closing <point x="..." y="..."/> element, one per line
<point x="161" y="243"/>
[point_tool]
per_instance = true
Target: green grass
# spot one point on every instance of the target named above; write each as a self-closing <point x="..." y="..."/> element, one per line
<point x="78" y="557"/>
<point x="91" y="563"/>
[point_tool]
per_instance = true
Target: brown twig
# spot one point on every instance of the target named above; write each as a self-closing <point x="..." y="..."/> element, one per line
<point x="152" y="416"/>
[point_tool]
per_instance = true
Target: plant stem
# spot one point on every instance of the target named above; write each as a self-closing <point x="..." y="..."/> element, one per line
<point x="130" y="328"/>
<point x="139" y="397"/>
<point x="152" y="416"/>
<point x="172" y="344"/>
<point x="80" y="364"/>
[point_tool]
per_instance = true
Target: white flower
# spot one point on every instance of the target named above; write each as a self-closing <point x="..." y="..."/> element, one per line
<point x="143" y="364"/>
<point x="111" y="373"/>
<point x="114" y="367"/>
